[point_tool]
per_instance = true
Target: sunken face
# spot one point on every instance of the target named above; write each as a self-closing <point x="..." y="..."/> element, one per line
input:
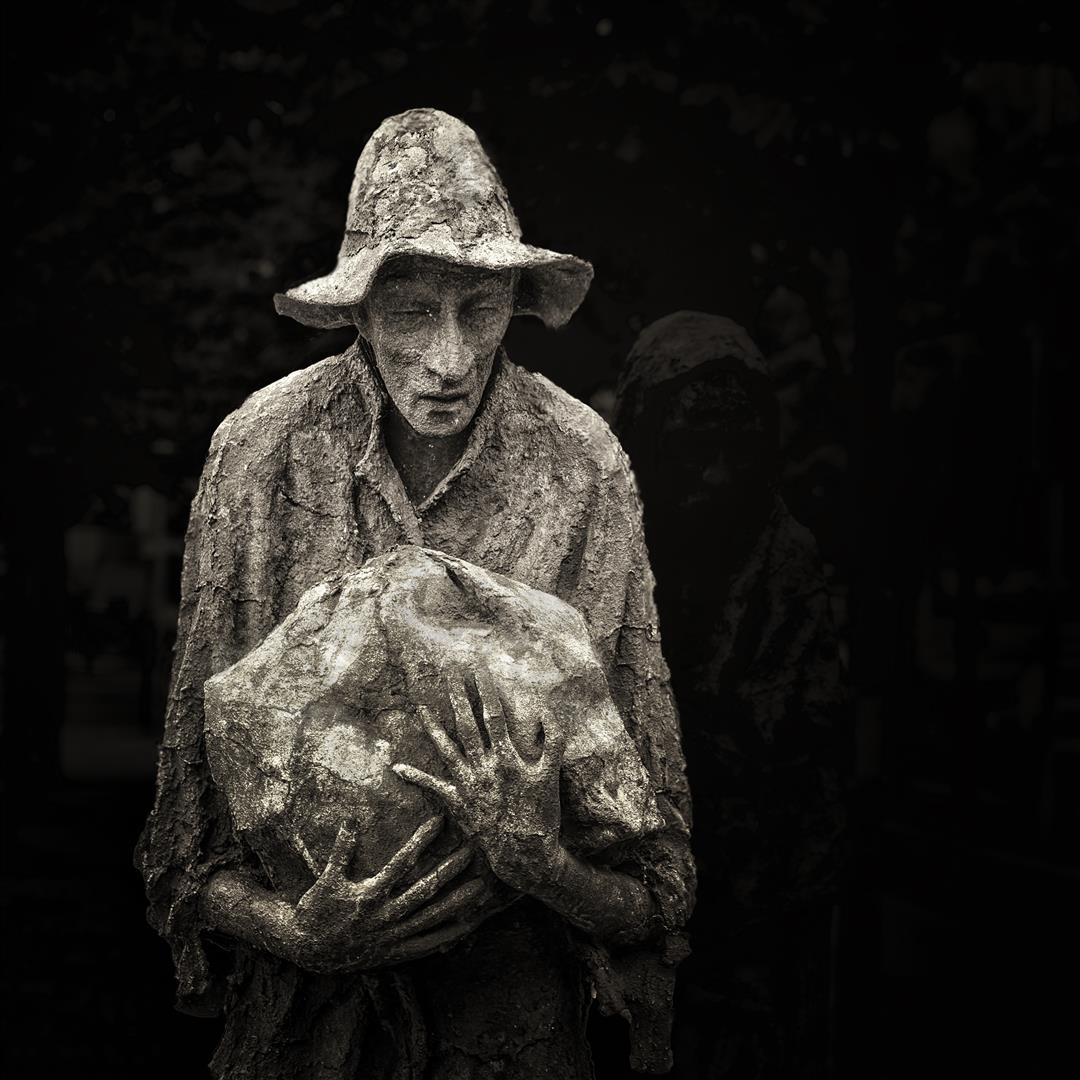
<point x="434" y="329"/>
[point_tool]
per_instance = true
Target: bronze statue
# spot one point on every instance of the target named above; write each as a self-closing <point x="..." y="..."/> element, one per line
<point x="471" y="948"/>
<point x="749" y="637"/>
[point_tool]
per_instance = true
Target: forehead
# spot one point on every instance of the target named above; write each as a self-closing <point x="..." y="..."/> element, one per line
<point x="409" y="272"/>
<point x="718" y="399"/>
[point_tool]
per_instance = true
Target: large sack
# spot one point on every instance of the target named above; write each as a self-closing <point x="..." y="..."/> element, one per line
<point x="301" y="732"/>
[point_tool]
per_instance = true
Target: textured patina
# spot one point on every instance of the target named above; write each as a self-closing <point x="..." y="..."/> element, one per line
<point x="424" y="186"/>
<point x="303" y="732"/>
<point x="299" y="489"/>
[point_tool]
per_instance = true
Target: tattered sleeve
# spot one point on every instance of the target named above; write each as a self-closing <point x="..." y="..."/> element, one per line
<point x="636" y="980"/>
<point x="188" y="835"/>
<point x="641" y="687"/>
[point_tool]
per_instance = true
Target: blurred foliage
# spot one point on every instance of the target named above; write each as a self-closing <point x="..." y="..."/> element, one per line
<point x="172" y="168"/>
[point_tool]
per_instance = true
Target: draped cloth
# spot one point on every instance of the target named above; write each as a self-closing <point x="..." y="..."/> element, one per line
<point x="298" y="487"/>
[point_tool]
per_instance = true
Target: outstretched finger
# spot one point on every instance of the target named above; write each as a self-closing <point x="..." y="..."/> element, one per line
<point x="452" y="906"/>
<point x="309" y="859"/>
<point x="416" y="948"/>
<point x="342" y="852"/>
<point x="423" y="890"/>
<point x="419" y="947"/>
<point x="448" y="751"/>
<point x="494" y="712"/>
<point x="468" y="727"/>
<point x="403" y="860"/>
<point x="440" y="788"/>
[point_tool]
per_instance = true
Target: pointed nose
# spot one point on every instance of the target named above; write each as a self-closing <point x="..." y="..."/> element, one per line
<point x="448" y="355"/>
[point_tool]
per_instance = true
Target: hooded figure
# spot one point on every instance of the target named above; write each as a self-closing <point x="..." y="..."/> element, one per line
<point x="748" y="633"/>
<point x="423" y="434"/>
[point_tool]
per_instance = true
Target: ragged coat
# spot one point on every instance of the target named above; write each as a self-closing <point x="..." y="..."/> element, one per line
<point x="298" y="487"/>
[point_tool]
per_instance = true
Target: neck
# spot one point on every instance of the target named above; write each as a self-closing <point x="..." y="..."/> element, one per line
<point x="422" y="460"/>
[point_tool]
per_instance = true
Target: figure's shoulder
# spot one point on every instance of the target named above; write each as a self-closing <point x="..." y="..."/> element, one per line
<point x="270" y="415"/>
<point x="794" y="558"/>
<point x="792" y="537"/>
<point x="579" y="432"/>
<point x="292" y="397"/>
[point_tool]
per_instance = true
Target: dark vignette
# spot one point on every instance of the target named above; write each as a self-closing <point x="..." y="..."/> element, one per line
<point x="885" y="194"/>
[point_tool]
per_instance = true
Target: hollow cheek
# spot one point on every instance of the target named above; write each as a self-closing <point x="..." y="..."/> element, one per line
<point x="400" y="368"/>
<point x="485" y="332"/>
<point x="485" y="343"/>
<point x="482" y="364"/>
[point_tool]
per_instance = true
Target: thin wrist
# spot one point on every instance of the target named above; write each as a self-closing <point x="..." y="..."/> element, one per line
<point x="602" y="901"/>
<point x="232" y="903"/>
<point x="552" y="874"/>
<point x="539" y="873"/>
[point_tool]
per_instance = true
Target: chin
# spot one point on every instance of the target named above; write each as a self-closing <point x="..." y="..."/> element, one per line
<point x="440" y="423"/>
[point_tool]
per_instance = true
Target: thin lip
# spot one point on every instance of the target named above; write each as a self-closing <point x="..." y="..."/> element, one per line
<point x="446" y="399"/>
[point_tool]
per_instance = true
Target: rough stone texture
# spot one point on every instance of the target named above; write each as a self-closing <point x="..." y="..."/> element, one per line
<point x="748" y="633"/>
<point x="302" y="732"/>
<point x="298" y="487"/>
<point x="424" y="186"/>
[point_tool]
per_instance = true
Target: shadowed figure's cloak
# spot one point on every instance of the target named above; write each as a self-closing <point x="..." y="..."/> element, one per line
<point x="752" y="646"/>
<point x="756" y="669"/>
<point x="298" y="487"/>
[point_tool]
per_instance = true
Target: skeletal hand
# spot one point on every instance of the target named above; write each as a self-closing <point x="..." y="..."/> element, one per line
<point x="507" y="800"/>
<point x="344" y="925"/>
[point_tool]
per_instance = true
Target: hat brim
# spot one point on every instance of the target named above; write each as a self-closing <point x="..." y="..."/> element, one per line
<point x="551" y="285"/>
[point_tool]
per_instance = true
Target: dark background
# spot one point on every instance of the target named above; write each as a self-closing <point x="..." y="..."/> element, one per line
<point x="886" y="194"/>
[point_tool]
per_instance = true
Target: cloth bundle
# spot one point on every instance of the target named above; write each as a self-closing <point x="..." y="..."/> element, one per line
<point x="302" y="732"/>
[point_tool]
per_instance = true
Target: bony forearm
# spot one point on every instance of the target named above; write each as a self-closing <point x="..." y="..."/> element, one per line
<point x="603" y="902"/>
<point x="233" y="904"/>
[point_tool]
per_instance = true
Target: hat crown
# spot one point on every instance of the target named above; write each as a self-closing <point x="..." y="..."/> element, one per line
<point x="424" y="186"/>
<point x="423" y="173"/>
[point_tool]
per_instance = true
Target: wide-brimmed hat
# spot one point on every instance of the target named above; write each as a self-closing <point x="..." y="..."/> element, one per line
<point x="672" y="349"/>
<point x="424" y="186"/>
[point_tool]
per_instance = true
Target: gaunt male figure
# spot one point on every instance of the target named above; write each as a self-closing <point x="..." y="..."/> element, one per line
<point x="422" y="433"/>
